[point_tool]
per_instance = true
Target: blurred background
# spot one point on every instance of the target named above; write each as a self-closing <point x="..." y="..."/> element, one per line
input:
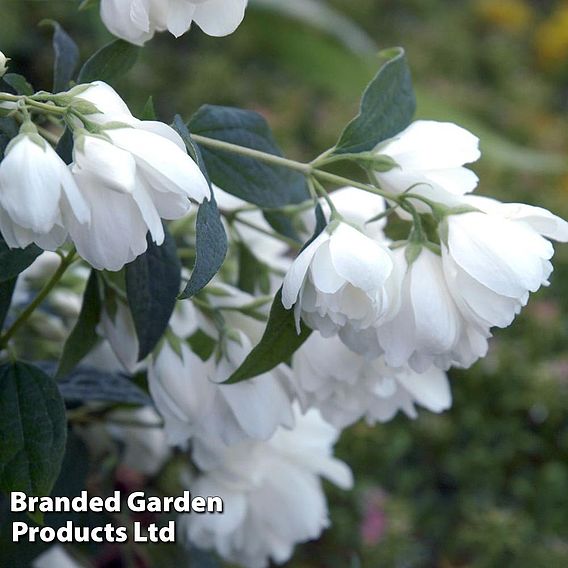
<point x="485" y="484"/>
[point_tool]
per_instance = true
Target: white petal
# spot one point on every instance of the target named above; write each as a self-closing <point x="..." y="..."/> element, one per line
<point x="117" y="17"/>
<point x="361" y="261"/>
<point x="220" y="17"/>
<point x="503" y="255"/>
<point x="30" y="185"/>
<point x="117" y="232"/>
<point x="430" y="145"/>
<point x="180" y="14"/>
<point x="430" y="389"/>
<point x="114" y="167"/>
<point x="297" y="273"/>
<point x="165" y="165"/>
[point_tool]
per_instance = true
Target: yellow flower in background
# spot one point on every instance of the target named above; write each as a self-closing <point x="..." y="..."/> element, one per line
<point x="510" y="15"/>
<point x="551" y="38"/>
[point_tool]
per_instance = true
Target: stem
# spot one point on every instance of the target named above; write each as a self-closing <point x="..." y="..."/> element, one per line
<point x="256" y="154"/>
<point x="339" y="180"/>
<point x="66" y="261"/>
<point x="318" y="189"/>
<point x="306" y="169"/>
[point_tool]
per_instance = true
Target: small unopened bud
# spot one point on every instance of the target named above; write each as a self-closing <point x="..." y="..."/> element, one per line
<point x="3" y="64"/>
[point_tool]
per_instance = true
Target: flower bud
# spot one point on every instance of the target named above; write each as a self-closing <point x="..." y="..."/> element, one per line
<point x="3" y="64"/>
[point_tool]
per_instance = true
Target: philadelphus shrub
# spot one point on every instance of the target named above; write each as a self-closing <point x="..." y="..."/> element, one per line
<point x="262" y="303"/>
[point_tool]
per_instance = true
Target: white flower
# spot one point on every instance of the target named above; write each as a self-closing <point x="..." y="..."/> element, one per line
<point x="3" y="64"/>
<point x="429" y="328"/>
<point x="132" y="177"/>
<point x="429" y="158"/>
<point x="38" y="195"/>
<point x="342" y="279"/>
<point x="346" y="387"/>
<point x="188" y="395"/>
<point x="272" y="493"/>
<point x="493" y="260"/>
<point x="136" y="21"/>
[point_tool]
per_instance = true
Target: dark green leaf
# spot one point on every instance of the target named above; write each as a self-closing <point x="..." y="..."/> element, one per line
<point x="6" y="292"/>
<point x="211" y="241"/>
<point x="83" y="337"/>
<point x="153" y="281"/>
<point x="282" y="224"/>
<point x="32" y="429"/>
<point x="110" y="63"/>
<point x="211" y="247"/>
<point x="65" y="146"/>
<point x="71" y="481"/>
<point x="277" y="345"/>
<point x="387" y="107"/>
<point x="8" y="130"/>
<point x="14" y="261"/>
<point x="250" y="269"/>
<point x="202" y="345"/>
<point x="256" y="182"/>
<point x="87" y="384"/>
<point x="66" y="57"/>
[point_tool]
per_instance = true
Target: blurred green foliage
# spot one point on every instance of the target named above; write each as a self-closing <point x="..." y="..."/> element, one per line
<point x="485" y="484"/>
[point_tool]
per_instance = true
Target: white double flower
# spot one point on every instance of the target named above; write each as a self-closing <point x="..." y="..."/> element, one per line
<point x="137" y="21"/>
<point x="39" y="197"/>
<point x="124" y="179"/>
<point x="343" y="279"/>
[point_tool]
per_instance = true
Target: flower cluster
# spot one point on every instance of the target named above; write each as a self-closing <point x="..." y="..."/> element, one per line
<point x="390" y="318"/>
<point x="126" y="175"/>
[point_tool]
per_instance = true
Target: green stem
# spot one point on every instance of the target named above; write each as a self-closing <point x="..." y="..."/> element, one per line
<point x="318" y="189"/>
<point x="341" y="181"/>
<point x="271" y="159"/>
<point x="66" y="261"/>
<point x="306" y="169"/>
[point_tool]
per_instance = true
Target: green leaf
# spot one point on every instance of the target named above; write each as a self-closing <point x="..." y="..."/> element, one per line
<point x="66" y="56"/>
<point x="387" y="107"/>
<point x="277" y="345"/>
<point x="110" y="63"/>
<point x="65" y="146"/>
<point x="211" y="248"/>
<point x="250" y="269"/>
<point x="148" y="112"/>
<point x="33" y="430"/>
<point x="6" y="293"/>
<point x="19" y="83"/>
<point x="86" y="384"/>
<point x="153" y="281"/>
<point x="264" y="185"/>
<point x="83" y="337"/>
<point x="8" y="130"/>
<point x="211" y="241"/>
<point x="282" y="224"/>
<point x="14" y="261"/>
